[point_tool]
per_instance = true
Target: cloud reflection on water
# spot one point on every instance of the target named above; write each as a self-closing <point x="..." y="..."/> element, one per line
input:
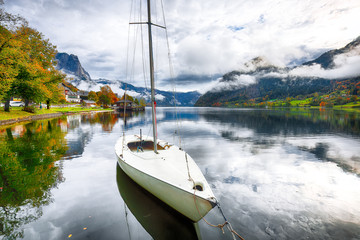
<point x="286" y="182"/>
<point x="278" y="175"/>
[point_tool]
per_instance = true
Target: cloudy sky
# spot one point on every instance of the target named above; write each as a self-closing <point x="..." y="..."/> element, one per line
<point x="207" y="37"/>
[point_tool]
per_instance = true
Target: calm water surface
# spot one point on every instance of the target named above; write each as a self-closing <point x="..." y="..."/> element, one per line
<point x="278" y="174"/>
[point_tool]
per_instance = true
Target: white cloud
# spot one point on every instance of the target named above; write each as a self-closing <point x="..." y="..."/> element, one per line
<point x="239" y="81"/>
<point x="159" y="97"/>
<point x="346" y="65"/>
<point x="206" y="37"/>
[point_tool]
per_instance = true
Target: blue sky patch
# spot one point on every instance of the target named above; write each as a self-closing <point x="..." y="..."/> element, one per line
<point x="235" y="28"/>
<point x="261" y="18"/>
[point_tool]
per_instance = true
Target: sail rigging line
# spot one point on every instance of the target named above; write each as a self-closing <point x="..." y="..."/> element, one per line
<point x="143" y="59"/>
<point x="171" y="69"/>
<point x="128" y="78"/>
<point x="142" y="48"/>
<point x="155" y="40"/>
<point x="130" y="70"/>
<point x="126" y="70"/>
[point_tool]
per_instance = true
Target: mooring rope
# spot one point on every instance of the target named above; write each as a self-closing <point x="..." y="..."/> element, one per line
<point x="221" y="226"/>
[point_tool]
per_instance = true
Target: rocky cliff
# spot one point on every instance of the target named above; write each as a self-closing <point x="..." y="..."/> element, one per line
<point x="70" y="65"/>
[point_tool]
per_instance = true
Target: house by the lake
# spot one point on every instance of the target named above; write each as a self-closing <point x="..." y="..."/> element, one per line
<point x="130" y="106"/>
<point x="88" y="103"/>
<point x="71" y="96"/>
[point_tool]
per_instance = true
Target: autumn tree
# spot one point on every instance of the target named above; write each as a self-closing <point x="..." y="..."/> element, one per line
<point x="128" y="97"/>
<point x="288" y="102"/>
<point x="55" y="93"/>
<point x="26" y="63"/>
<point x="106" y="96"/>
<point x="37" y="78"/>
<point x="114" y="98"/>
<point x="11" y="55"/>
<point x="322" y="104"/>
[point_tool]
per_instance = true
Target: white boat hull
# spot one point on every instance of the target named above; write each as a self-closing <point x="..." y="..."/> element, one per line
<point x="172" y="187"/>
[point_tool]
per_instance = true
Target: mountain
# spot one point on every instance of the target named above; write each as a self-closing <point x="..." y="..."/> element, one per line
<point x="258" y="79"/>
<point x="163" y="98"/>
<point x="326" y="60"/>
<point x="71" y="66"/>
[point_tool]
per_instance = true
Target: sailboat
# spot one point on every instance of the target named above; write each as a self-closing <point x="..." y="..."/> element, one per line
<point x="160" y="221"/>
<point x="162" y="168"/>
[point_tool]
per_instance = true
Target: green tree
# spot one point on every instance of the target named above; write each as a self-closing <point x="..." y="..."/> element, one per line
<point x="128" y="97"/>
<point x="92" y="96"/>
<point x="26" y="63"/>
<point x="11" y="55"/>
<point x="55" y="93"/>
<point x="142" y="102"/>
<point x="104" y="100"/>
<point x="37" y="79"/>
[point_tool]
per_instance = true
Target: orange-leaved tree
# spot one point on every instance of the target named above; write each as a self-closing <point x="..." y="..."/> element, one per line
<point x="11" y="55"/>
<point x="106" y="96"/>
<point x="38" y="79"/>
<point x="26" y="62"/>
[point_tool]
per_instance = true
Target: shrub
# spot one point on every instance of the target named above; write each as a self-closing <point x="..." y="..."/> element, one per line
<point x="30" y="109"/>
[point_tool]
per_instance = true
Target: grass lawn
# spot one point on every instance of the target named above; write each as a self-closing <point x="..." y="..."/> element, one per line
<point x="300" y="103"/>
<point x="349" y="105"/>
<point x="16" y="112"/>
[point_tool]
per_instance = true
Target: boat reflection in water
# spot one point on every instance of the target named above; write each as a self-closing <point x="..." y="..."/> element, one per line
<point x="158" y="219"/>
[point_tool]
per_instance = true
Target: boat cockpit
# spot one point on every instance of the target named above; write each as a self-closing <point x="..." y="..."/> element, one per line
<point x="142" y="146"/>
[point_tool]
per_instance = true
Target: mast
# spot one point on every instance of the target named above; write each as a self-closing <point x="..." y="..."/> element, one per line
<point x="152" y="77"/>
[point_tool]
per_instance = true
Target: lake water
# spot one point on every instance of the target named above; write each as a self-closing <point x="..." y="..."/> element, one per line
<point x="278" y="174"/>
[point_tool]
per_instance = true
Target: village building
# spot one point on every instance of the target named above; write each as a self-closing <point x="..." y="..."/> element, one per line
<point x="88" y="103"/>
<point x="130" y="106"/>
<point x="70" y="96"/>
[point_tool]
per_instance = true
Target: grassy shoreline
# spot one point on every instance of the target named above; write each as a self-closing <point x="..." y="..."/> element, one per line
<point x="16" y="113"/>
